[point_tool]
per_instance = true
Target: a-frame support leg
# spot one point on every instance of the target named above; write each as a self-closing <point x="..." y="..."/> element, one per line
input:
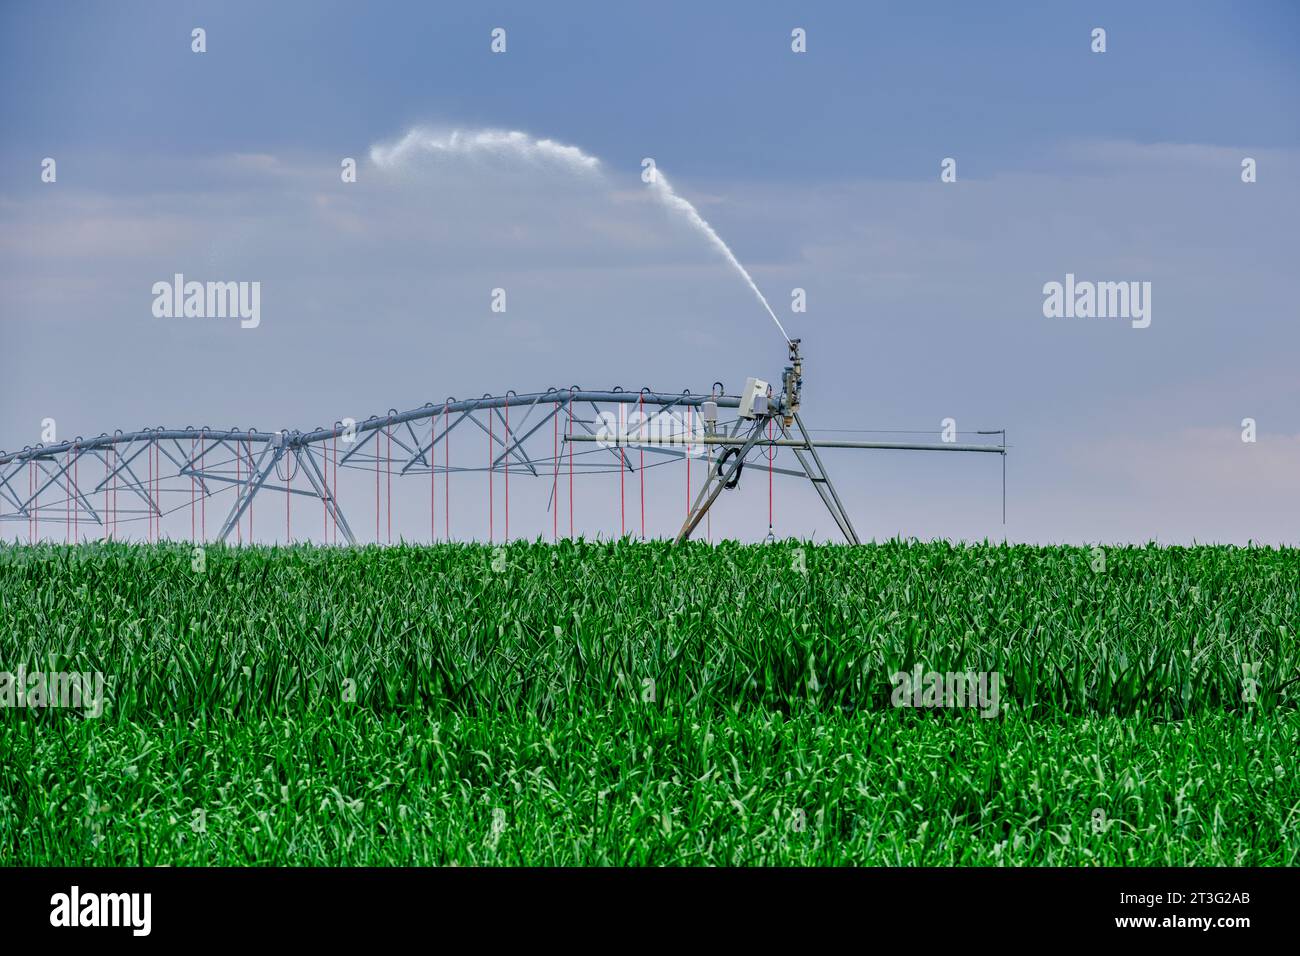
<point x="317" y="481"/>
<point x="816" y="472"/>
<point x="718" y="479"/>
<point x="251" y="488"/>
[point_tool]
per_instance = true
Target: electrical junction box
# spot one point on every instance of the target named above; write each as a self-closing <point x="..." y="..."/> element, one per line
<point x="755" y="388"/>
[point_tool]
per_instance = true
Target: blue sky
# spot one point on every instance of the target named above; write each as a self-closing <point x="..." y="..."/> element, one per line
<point x="821" y="170"/>
<point x="884" y="88"/>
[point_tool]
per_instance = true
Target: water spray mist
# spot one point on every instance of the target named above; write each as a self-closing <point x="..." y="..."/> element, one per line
<point x="664" y="191"/>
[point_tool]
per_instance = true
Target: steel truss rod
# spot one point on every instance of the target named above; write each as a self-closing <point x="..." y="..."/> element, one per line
<point x="518" y="443"/>
<point x="387" y="422"/>
<point x="523" y="438"/>
<point x="358" y="445"/>
<point x="123" y="461"/>
<point x="244" y="482"/>
<point x="61" y="478"/>
<point x="415" y="440"/>
<point x="13" y="494"/>
<point x="433" y="426"/>
<point x="621" y="454"/>
<point x="135" y="484"/>
<point x="398" y="442"/>
<point x="191" y="468"/>
<point x="187" y="469"/>
<point x="497" y="440"/>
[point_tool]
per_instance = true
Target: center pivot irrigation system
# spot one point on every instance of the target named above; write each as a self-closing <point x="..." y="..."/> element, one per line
<point x="92" y="487"/>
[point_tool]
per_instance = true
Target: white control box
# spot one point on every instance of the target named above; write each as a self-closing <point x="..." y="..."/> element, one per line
<point x="754" y="388"/>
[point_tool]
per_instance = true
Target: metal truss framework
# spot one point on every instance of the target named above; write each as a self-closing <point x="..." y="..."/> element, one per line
<point x="145" y="475"/>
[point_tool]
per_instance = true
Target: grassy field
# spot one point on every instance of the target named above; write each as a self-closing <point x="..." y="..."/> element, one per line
<point x="635" y="704"/>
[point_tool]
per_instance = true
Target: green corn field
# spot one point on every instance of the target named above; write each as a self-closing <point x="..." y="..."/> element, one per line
<point x="619" y="703"/>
